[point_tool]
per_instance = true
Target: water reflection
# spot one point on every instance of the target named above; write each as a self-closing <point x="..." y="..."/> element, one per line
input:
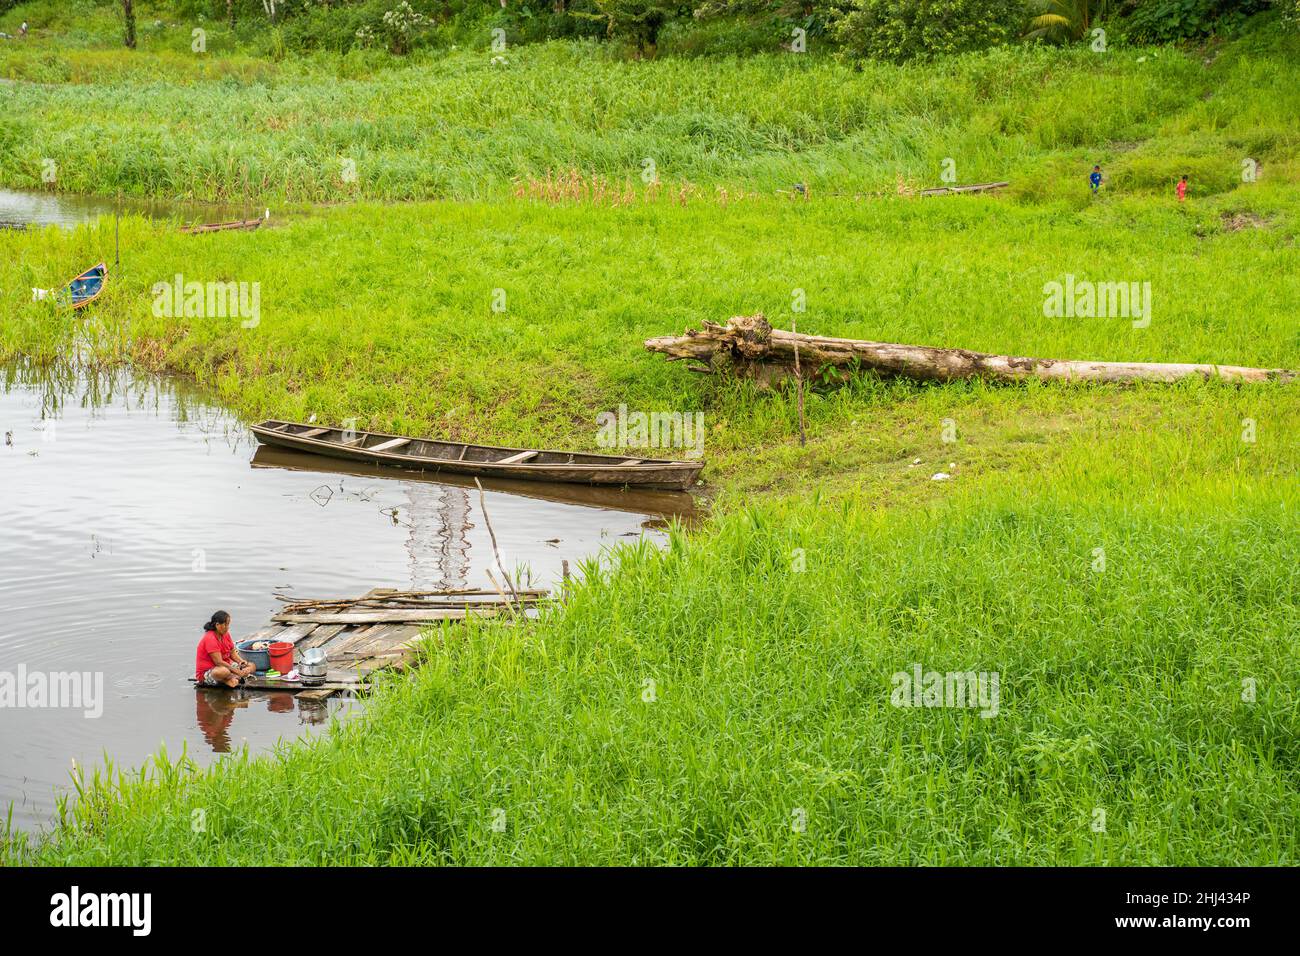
<point x="21" y="208"/>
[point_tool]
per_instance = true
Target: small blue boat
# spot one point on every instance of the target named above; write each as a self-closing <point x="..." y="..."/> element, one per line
<point x="85" y="288"/>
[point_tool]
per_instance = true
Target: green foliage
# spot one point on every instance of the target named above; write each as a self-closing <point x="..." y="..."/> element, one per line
<point x="901" y="30"/>
<point x="1065" y="19"/>
<point x="637" y="20"/>
<point x="1164" y="21"/>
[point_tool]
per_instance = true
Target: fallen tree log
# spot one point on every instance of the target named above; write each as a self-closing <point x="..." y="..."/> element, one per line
<point x="758" y="351"/>
<point x="954" y="190"/>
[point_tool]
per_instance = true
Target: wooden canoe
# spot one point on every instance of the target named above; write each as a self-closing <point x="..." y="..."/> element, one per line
<point x="489" y="461"/>
<point x="222" y="226"/>
<point x="85" y="288"/>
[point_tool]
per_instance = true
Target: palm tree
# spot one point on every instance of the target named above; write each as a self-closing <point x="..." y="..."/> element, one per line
<point x="1066" y="19"/>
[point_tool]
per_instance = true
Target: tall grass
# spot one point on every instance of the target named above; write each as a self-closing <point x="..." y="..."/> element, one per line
<point x="180" y="125"/>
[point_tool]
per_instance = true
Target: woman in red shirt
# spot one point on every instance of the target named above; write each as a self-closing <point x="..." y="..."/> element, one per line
<point x="217" y="661"/>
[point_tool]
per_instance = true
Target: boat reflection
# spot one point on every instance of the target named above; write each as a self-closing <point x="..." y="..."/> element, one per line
<point x="664" y="505"/>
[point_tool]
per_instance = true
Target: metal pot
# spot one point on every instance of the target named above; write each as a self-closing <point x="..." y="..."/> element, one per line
<point x="312" y="666"/>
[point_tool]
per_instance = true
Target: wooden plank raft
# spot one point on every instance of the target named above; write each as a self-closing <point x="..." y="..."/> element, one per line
<point x="373" y="632"/>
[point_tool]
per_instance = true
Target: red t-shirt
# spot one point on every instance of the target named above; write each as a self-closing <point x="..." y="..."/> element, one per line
<point x="212" y="643"/>
<point x="1182" y="189"/>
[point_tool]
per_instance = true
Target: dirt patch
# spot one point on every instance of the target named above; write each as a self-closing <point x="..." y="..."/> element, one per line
<point x="1237" y="221"/>
<point x="1124" y="145"/>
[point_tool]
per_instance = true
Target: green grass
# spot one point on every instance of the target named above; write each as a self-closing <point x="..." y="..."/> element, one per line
<point x="384" y="314"/>
<point x="451" y="125"/>
<point x="1121" y="689"/>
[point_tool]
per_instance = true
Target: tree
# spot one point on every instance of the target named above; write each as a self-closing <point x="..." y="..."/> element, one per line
<point x="128" y="10"/>
<point x="1066" y="19"/>
<point x="639" y="19"/>
<point x="922" y="29"/>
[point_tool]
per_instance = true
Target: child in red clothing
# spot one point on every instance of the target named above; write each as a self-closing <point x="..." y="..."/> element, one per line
<point x="1182" y="189"/>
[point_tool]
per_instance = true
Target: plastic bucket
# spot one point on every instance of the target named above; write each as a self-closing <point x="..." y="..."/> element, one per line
<point x="281" y="653"/>
<point x="259" y="659"/>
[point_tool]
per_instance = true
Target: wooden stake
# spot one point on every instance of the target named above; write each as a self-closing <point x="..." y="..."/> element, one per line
<point x="798" y="374"/>
<point x="482" y="501"/>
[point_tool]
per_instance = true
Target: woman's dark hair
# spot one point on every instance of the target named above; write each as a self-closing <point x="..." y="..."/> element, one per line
<point x="219" y="617"/>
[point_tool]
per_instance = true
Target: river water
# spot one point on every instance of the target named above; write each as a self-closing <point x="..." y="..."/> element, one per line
<point x="22" y="208"/>
<point x="130" y="509"/>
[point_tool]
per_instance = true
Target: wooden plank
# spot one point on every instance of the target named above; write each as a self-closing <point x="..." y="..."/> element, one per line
<point x="323" y="634"/>
<point x="390" y="444"/>
<point x="517" y="459"/>
<point x="408" y="635"/>
<point x="260" y="683"/>
<point x="376" y="638"/>
<point x="357" y="639"/>
<point x="396" y="615"/>
<point x="295" y="633"/>
<point x="390" y="636"/>
<point x="398" y="641"/>
<point x="313" y="433"/>
<point x="320" y="693"/>
<point x="632" y="461"/>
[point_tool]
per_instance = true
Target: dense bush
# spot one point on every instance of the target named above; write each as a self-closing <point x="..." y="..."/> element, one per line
<point x="1163" y="21"/>
<point x="637" y="20"/>
<point x="894" y="30"/>
<point x="908" y="29"/>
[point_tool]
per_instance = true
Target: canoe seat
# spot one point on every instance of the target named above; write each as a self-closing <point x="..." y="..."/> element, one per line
<point x="312" y="433"/>
<point x="390" y="444"/>
<point x="631" y="461"/>
<point x="517" y="459"/>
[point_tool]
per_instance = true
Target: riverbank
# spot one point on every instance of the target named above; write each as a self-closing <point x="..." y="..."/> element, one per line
<point x="1122" y="560"/>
